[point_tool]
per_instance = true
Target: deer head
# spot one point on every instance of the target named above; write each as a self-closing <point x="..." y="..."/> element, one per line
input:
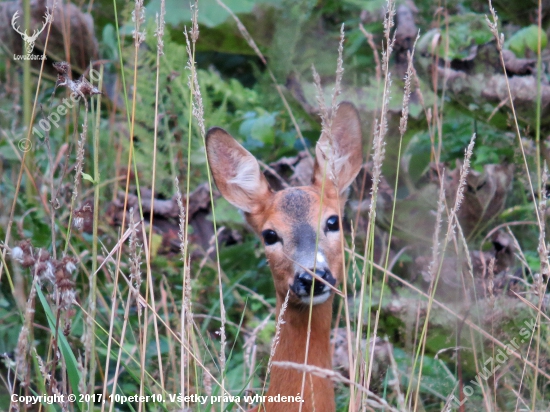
<point x="29" y="40"/>
<point x="300" y="226"/>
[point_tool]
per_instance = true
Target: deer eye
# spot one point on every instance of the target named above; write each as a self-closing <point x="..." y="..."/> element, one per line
<point x="270" y="237"/>
<point x="333" y="223"/>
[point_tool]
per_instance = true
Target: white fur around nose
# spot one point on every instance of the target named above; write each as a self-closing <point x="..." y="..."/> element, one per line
<point x="320" y="258"/>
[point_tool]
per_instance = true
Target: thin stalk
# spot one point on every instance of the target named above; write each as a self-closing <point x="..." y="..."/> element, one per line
<point x="185" y="229"/>
<point x="159" y="34"/>
<point x="541" y="196"/>
<point x="27" y="84"/>
<point x="378" y="156"/>
<point x="402" y="129"/>
<point x="198" y="112"/>
<point x="538" y="102"/>
<point x="310" y="308"/>
<point x="453" y="221"/>
<point x="93" y="275"/>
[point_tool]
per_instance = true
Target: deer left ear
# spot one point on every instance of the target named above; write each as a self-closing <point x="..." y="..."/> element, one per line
<point x="236" y="172"/>
<point x="338" y="160"/>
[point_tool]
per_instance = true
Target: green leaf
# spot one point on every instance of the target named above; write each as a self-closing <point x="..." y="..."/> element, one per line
<point x="87" y="177"/>
<point x="211" y="14"/>
<point x="263" y="130"/>
<point x="528" y="37"/>
<point x="72" y="365"/>
<point x="226" y="213"/>
<point x="156" y="243"/>
<point x="258" y="129"/>
<point x="109" y="41"/>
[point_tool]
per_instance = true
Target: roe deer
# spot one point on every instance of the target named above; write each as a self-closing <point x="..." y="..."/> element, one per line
<point x="300" y="228"/>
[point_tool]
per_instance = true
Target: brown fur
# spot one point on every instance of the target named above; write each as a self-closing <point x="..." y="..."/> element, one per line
<point x="294" y="213"/>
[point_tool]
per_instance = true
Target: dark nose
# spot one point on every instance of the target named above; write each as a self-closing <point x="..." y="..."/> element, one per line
<point x="303" y="282"/>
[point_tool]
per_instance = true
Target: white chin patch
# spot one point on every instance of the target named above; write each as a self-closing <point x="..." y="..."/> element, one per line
<point x="322" y="298"/>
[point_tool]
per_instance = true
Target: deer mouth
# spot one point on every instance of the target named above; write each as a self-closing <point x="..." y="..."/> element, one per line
<point x="310" y="291"/>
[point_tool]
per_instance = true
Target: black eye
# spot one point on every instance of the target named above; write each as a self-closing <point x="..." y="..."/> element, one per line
<point x="270" y="237"/>
<point x="333" y="223"/>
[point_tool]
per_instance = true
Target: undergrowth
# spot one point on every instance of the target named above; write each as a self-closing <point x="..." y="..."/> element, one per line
<point x="124" y="273"/>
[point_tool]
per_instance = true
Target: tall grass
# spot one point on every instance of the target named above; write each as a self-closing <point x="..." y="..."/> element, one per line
<point x="122" y="325"/>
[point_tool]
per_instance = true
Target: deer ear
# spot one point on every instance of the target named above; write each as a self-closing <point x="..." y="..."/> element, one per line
<point x="236" y="172"/>
<point x="344" y="154"/>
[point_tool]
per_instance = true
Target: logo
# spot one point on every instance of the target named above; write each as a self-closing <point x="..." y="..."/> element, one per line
<point x="29" y="40"/>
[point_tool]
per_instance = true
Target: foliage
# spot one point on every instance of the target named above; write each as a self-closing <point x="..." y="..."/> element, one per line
<point x="239" y="95"/>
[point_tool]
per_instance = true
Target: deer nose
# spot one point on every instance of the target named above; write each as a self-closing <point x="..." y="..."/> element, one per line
<point x="303" y="282"/>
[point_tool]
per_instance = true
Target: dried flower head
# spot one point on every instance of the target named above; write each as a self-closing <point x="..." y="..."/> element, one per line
<point x="17" y="254"/>
<point x="135" y="253"/>
<point x="82" y="86"/>
<point x="24" y="253"/>
<point x="85" y="88"/>
<point x="21" y="351"/>
<point x="159" y="32"/>
<point x="62" y="67"/>
<point x="45" y="272"/>
<point x="65" y="293"/>
<point x="78" y="222"/>
<point x="138" y="17"/>
<point x="83" y="217"/>
<point x="195" y="21"/>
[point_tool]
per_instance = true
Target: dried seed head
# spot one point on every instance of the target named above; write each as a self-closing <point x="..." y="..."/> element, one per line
<point x="43" y="255"/>
<point x="62" y="67"/>
<point x="62" y="80"/>
<point x="85" y="88"/>
<point x="78" y="222"/>
<point x="159" y="32"/>
<point x="195" y="22"/>
<point x="67" y="328"/>
<point x="24" y="253"/>
<point x="17" y="254"/>
<point x="45" y="272"/>
<point x="21" y="353"/>
<point x="82" y="86"/>
<point x="84" y="216"/>
<point x="63" y="281"/>
<point x="138" y="17"/>
<point x="70" y="266"/>
<point x="135" y="253"/>
<point x="139" y="11"/>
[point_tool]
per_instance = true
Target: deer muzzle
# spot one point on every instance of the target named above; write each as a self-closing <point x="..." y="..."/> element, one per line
<point x="307" y="288"/>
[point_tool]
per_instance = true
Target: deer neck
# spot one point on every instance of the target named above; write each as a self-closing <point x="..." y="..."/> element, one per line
<point x="318" y="392"/>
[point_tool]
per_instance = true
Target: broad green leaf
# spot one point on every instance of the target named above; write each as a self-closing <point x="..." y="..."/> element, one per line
<point x="211" y="14"/>
<point x="528" y="37"/>
<point x="72" y="365"/>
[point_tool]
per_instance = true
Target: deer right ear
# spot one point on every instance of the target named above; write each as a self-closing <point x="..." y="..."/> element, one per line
<point x="236" y="172"/>
<point x="344" y="153"/>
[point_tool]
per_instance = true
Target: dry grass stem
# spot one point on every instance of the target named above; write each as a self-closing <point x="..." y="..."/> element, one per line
<point x="370" y="41"/>
<point x="275" y="343"/>
<point x="407" y="89"/>
<point x="86" y="276"/>
<point x="378" y="149"/>
<point x="452" y="223"/>
<point x="493" y="27"/>
<point x="198" y="113"/>
<point x="135" y="253"/>
<point x="374" y="401"/>
<point x="438" y="219"/>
